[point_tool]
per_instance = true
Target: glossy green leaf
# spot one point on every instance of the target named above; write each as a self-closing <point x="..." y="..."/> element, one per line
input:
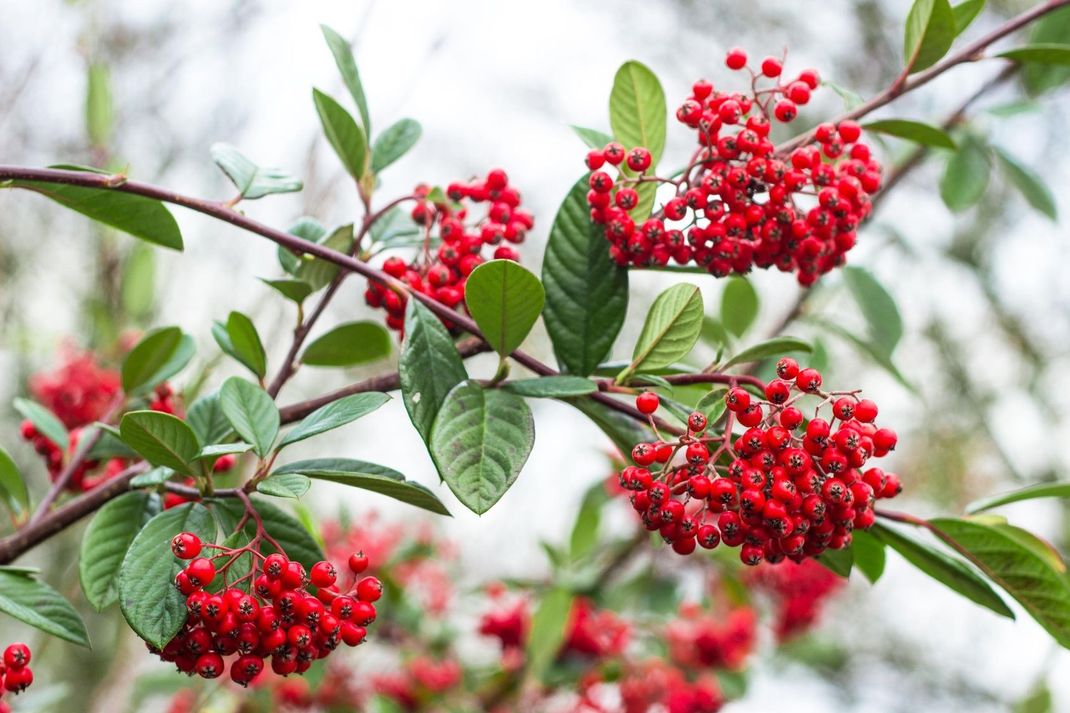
<point x="480" y="441"/>
<point x="394" y="143"/>
<point x="347" y="66"/>
<point x="505" y="300"/>
<point x="245" y="340"/>
<point x="878" y="307"/>
<point x="551" y="387"/>
<point x="428" y="368"/>
<point x="105" y="542"/>
<point x="930" y="31"/>
<point x="739" y="305"/>
<point x="148" y="356"/>
<point x="949" y="571"/>
<point x="637" y="109"/>
<point x="1049" y="53"/>
<point x="1053" y="28"/>
<point x="594" y="138"/>
<point x="869" y="555"/>
<point x="778" y="346"/>
<point x="99" y="111"/>
<point x="547" y="632"/>
<point x="1029" y="183"/>
<point x="367" y="476"/>
<point x="141" y="217"/>
<point x="216" y="450"/>
<point x="318" y="272"/>
<point x="287" y="485"/>
<point x="1008" y="556"/>
<point x="712" y="404"/>
<point x="348" y="345"/>
<point x="966" y="175"/>
<point x="337" y="413"/>
<point x="343" y="134"/>
<point x="12" y="486"/>
<point x="839" y="561"/>
<point x="586" y="292"/>
<point x="965" y="13"/>
<point x="1045" y="490"/>
<point x="868" y="349"/>
<point x="585" y="530"/>
<point x="914" y="131"/>
<point x="205" y="416"/>
<point x="671" y="329"/>
<point x="251" y="412"/>
<point x="251" y="180"/>
<point x="152" y="478"/>
<point x="161" y="439"/>
<point x="306" y="228"/>
<point x="293" y="290"/>
<point x="151" y="604"/>
<point x="138" y="282"/>
<point x="35" y="603"/>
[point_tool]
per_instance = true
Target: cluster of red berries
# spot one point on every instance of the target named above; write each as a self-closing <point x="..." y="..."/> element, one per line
<point x="460" y="237"/>
<point x="15" y="671"/>
<point x="420" y="680"/>
<point x="785" y="488"/>
<point x="79" y="391"/>
<point x="799" y="591"/>
<point x="278" y="618"/>
<point x="653" y="686"/>
<point x="740" y="203"/>
<point x="701" y="639"/>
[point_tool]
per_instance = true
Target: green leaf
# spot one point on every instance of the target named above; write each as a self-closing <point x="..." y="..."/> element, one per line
<point x="586" y="292"/>
<point x="251" y="412"/>
<point x="348" y="345"/>
<point x="252" y="181"/>
<point x="248" y="349"/>
<point x="318" y="272"/>
<point x="396" y="229"/>
<point x="35" y="603"/>
<point x="151" y="604"/>
<point x="966" y="175"/>
<point x="769" y="348"/>
<point x="637" y="110"/>
<point x="12" y="486"/>
<point x="1038" y="700"/>
<point x="548" y="630"/>
<point x="337" y="413"/>
<point x="343" y="133"/>
<point x="739" y="305"/>
<point x="594" y="138"/>
<point x="480" y="441"/>
<point x="161" y="439"/>
<point x="1029" y="183"/>
<point x="584" y="537"/>
<point x="670" y="331"/>
<point x="152" y="478"/>
<point x="1006" y="554"/>
<point x="289" y="485"/>
<point x="1053" y="28"/>
<point x="869" y="555"/>
<point x="878" y="307"/>
<point x="347" y="66"/>
<point x="297" y="542"/>
<point x="215" y="450"/>
<point x="394" y="143"/>
<point x="207" y="419"/>
<point x="949" y="571"/>
<point x="293" y="290"/>
<point x="44" y="421"/>
<point x="139" y="281"/>
<point x="712" y="404"/>
<point x="1049" y="53"/>
<point x="505" y="300"/>
<point x="99" y="114"/>
<point x="868" y="349"/>
<point x="367" y="476"/>
<point x="965" y="13"/>
<point x="306" y="228"/>
<point x="141" y="217"/>
<point x="1046" y="490"/>
<point x="552" y="387"/>
<point x="930" y="32"/>
<point x="105" y="542"/>
<point x="159" y="355"/>
<point x="914" y="131"/>
<point x="838" y="561"/>
<point x="428" y="368"/>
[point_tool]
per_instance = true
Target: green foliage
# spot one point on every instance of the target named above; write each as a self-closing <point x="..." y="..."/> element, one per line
<point x="930" y="31"/>
<point x="428" y="368"/>
<point x="637" y="109"/>
<point x="915" y="131"/>
<point x="251" y="180"/>
<point x="367" y="476"/>
<point x="739" y="305"/>
<point x="966" y="175"/>
<point x="251" y="412"/>
<point x="12" y="486"/>
<point x="552" y="387"/>
<point x="343" y="134"/>
<point x="505" y="300"/>
<point x="670" y="331"/>
<point x="394" y="143"/>
<point x="106" y="541"/>
<point x="348" y="345"/>
<point x="35" y="603"/>
<point x="335" y="414"/>
<point x="161" y="439"/>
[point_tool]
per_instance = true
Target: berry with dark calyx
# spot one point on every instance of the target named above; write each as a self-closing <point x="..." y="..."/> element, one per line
<point x="16" y="655"/>
<point x="323" y="574"/>
<point x="358" y="562"/>
<point x="369" y="589"/>
<point x="186" y="545"/>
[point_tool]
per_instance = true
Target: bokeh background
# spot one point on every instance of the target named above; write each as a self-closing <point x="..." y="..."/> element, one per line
<point x="983" y="294"/>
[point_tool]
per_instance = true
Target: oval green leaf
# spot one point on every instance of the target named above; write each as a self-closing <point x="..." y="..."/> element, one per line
<point x="245" y="341"/>
<point x="44" y="421"/>
<point x="966" y="175"/>
<point x="367" y="476"/>
<point x="637" y="111"/>
<point x="770" y="348"/>
<point x="343" y="133"/>
<point x="672" y="327"/>
<point x="161" y="439"/>
<point x="12" y="486"/>
<point x="287" y="485"/>
<point x="251" y="412"/>
<point x="35" y="603"/>
<point x="105" y="542"/>
<point x="252" y="181"/>
<point x="552" y="387"/>
<point x="739" y="305"/>
<point x="337" y="413"/>
<point x="930" y="31"/>
<point x="914" y="131"/>
<point x="348" y="345"/>
<point x="505" y="300"/>
<point x="394" y="143"/>
<point x="878" y="307"/>
<point x="428" y="368"/>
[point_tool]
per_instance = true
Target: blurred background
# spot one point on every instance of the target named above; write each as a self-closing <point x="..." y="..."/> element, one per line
<point x="148" y="87"/>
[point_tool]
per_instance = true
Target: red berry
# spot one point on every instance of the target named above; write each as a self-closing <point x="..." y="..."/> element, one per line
<point x="17" y="680"/>
<point x="771" y="67"/>
<point x="808" y="380"/>
<point x="16" y="655"/>
<point x="201" y="572"/>
<point x="186" y="545"/>
<point x="736" y="59"/>
<point x="639" y="159"/>
<point x="358" y="562"/>
<point x="369" y="589"/>
<point x="323" y="574"/>
<point x="849" y="131"/>
<point x="647" y="402"/>
<point x="737" y="399"/>
<point x="595" y="159"/>
<point x="210" y="665"/>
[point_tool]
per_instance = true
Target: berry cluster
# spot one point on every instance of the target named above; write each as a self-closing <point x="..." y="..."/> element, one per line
<point x="784" y="488"/>
<point x="740" y="203"/>
<point x="702" y="640"/>
<point x="79" y="392"/>
<point x="655" y="686"/>
<point x="420" y="680"/>
<point x="15" y="671"/>
<point x="799" y="592"/>
<point x="274" y="616"/>
<point x="460" y="236"/>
